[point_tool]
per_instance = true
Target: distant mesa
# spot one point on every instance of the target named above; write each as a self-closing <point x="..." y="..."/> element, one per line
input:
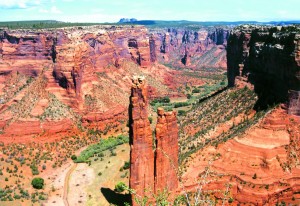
<point x="127" y="20"/>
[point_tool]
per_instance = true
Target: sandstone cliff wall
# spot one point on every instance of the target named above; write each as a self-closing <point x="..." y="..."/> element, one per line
<point x="85" y="68"/>
<point x="269" y="58"/>
<point x="180" y="47"/>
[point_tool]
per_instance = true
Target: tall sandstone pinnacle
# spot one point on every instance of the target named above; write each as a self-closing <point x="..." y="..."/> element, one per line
<point x="141" y="153"/>
<point x="166" y="156"/>
<point x="151" y="170"/>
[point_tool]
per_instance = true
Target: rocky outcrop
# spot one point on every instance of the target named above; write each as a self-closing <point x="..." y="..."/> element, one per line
<point x="186" y="60"/>
<point x="261" y="165"/>
<point x="219" y="36"/>
<point x="86" y="69"/>
<point x="166" y="155"/>
<point x="294" y="103"/>
<point x="178" y="47"/>
<point x="152" y="49"/>
<point x="141" y="141"/>
<point x="269" y="58"/>
<point x="151" y="172"/>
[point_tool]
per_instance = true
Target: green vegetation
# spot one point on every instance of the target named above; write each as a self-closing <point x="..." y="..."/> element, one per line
<point x="211" y="112"/>
<point x="181" y="104"/>
<point x="160" y="100"/>
<point x="120" y="187"/>
<point x="150" y="119"/>
<point x="37" y="183"/>
<point x="202" y="92"/>
<point x="47" y="24"/>
<point x="103" y="145"/>
<point x="126" y="165"/>
<point x="181" y="112"/>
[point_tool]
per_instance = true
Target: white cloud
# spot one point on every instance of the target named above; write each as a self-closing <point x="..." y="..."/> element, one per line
<point x="43" y="11"/>
<point x="52" y="10"/>
<point x="19" y="4"/>
<point x="55" y="10"/>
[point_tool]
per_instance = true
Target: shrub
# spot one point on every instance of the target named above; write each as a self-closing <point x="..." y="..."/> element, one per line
<point x="73" y="157"/>
<point x="254" y="176"/>
<point x="181" y="104"/>
<point x="34" y="169"/>
<point x="37" y="183"/>
<point x="150" y="119"/>
<point x="126" y="165"/>
<point x="196" y="91"/>
<point x="120" y="187"/>
<point x="181" y="112"/>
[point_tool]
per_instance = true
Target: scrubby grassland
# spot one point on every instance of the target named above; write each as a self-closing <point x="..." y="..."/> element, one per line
<point x="217" y="119"/>
<point x="21" y="162"/>
<point x="99" y="177"/>
<point x="102" y="145"/>
<point x="194" y="93"/>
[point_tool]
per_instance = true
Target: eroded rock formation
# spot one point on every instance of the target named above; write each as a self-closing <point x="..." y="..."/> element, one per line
<point x="141" y="141"/>
<point x="87" y="70"/>
<point x="151" y="172"/>
<point x="205" y="47"/>
<point x="166" y="155"/>
<point x="270" y="59"/>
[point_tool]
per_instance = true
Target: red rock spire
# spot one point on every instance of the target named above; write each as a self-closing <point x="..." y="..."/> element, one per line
<point x="166" y="159"/>
<point x="149" y="172"/>
<point x="141" y="154"/>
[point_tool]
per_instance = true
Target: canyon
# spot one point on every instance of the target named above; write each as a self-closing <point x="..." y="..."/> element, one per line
<point x="256" y="161"/>
<point x="228" y="145"/>
<point x="60" y="80"/>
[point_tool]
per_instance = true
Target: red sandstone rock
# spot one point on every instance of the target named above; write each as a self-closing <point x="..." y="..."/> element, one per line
<point x="268" y="149"/>
<point x="141" y="154"/>
<point x="166" y="158"/>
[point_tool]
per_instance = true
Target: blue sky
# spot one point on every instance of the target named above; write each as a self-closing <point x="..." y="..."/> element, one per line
<point x="113" y="10"/>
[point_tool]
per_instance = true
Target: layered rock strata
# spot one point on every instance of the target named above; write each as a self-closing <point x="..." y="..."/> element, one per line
<point x="270" y="58"/>
<point x="84" y="69"/>
<point x="204" y="47"/>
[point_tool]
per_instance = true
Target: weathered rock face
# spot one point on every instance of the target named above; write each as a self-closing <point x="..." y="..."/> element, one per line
<point x="87" y="70"/>
<point x="294" y="103"/>
<point x="262" y="165"/>
<point x="151" y="172"/>
<point x="219" y="36"/>
<point x="179" y="47"/>
<point x="166" y="156"/>
<point x="269" y="57"/>
<point x="141" y="141"/>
